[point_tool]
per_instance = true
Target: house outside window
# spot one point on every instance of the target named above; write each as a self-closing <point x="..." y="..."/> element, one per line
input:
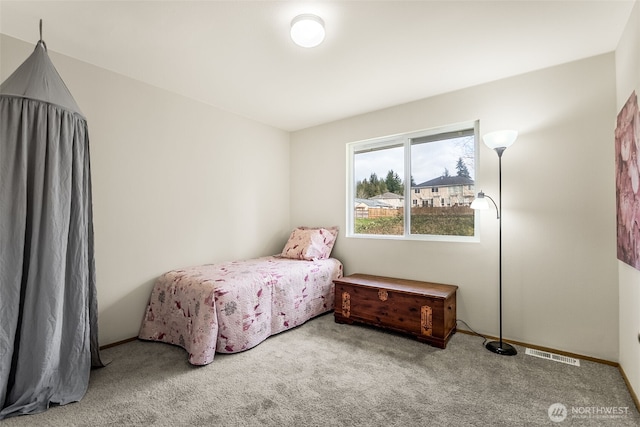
<point x="424" y="183"/>
<point x="451" y="190"/>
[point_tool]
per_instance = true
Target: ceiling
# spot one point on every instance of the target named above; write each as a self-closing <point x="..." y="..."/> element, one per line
<point x="237" y="55"/>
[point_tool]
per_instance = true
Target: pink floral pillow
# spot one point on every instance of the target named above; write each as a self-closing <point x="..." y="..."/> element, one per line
<point x="310" y="243"/>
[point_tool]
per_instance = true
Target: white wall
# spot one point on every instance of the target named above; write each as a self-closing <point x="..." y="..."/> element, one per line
<point x="628" y="80"/>
<point x="175" y="183"/>
<point x="560" y="279"/>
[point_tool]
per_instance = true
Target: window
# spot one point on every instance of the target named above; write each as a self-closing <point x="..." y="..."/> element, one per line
<point x="415" y="186"/>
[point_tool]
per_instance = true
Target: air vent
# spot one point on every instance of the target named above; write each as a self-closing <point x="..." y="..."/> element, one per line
<point x="552" y="356"/>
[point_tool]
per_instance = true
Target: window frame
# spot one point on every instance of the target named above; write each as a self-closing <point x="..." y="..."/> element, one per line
<point x="405" y="140"/>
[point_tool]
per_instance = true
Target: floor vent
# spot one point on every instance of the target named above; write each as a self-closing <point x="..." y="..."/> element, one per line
<point x="552" y="356"/>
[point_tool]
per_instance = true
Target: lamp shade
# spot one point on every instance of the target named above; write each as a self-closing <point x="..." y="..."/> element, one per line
<point x="307" y="30"/>
<point x="500" y="138"/>
<point x="480" y="202"/>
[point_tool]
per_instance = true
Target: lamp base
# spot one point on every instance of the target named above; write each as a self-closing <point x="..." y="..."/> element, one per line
<point x="501" y="348"/>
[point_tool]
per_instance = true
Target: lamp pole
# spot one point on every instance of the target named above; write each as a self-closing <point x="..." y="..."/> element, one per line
<point x="498" y="346"/>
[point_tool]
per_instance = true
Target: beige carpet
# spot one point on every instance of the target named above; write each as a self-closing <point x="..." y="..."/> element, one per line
<point x="327" y="374"/>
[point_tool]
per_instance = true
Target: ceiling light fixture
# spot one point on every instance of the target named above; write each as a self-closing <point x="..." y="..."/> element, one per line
<point x="307" y="30"/>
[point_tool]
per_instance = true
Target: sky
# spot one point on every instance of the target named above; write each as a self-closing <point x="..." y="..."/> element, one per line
<point x="428" y="160"/>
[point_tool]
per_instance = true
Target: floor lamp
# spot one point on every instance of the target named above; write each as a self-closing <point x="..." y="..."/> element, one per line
<point x="498" y="141"/>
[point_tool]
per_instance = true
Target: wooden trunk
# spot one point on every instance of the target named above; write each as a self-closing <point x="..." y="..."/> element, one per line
<point x="422" y="309"/>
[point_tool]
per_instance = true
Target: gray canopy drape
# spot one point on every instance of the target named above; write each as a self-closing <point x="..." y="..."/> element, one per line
<point x="48" y="304"/>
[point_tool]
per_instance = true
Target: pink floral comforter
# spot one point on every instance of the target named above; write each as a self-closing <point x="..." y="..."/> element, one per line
<point x="234" y="306"/>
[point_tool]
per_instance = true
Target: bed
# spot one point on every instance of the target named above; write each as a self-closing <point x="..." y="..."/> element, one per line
<point x="233" y="306"/>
